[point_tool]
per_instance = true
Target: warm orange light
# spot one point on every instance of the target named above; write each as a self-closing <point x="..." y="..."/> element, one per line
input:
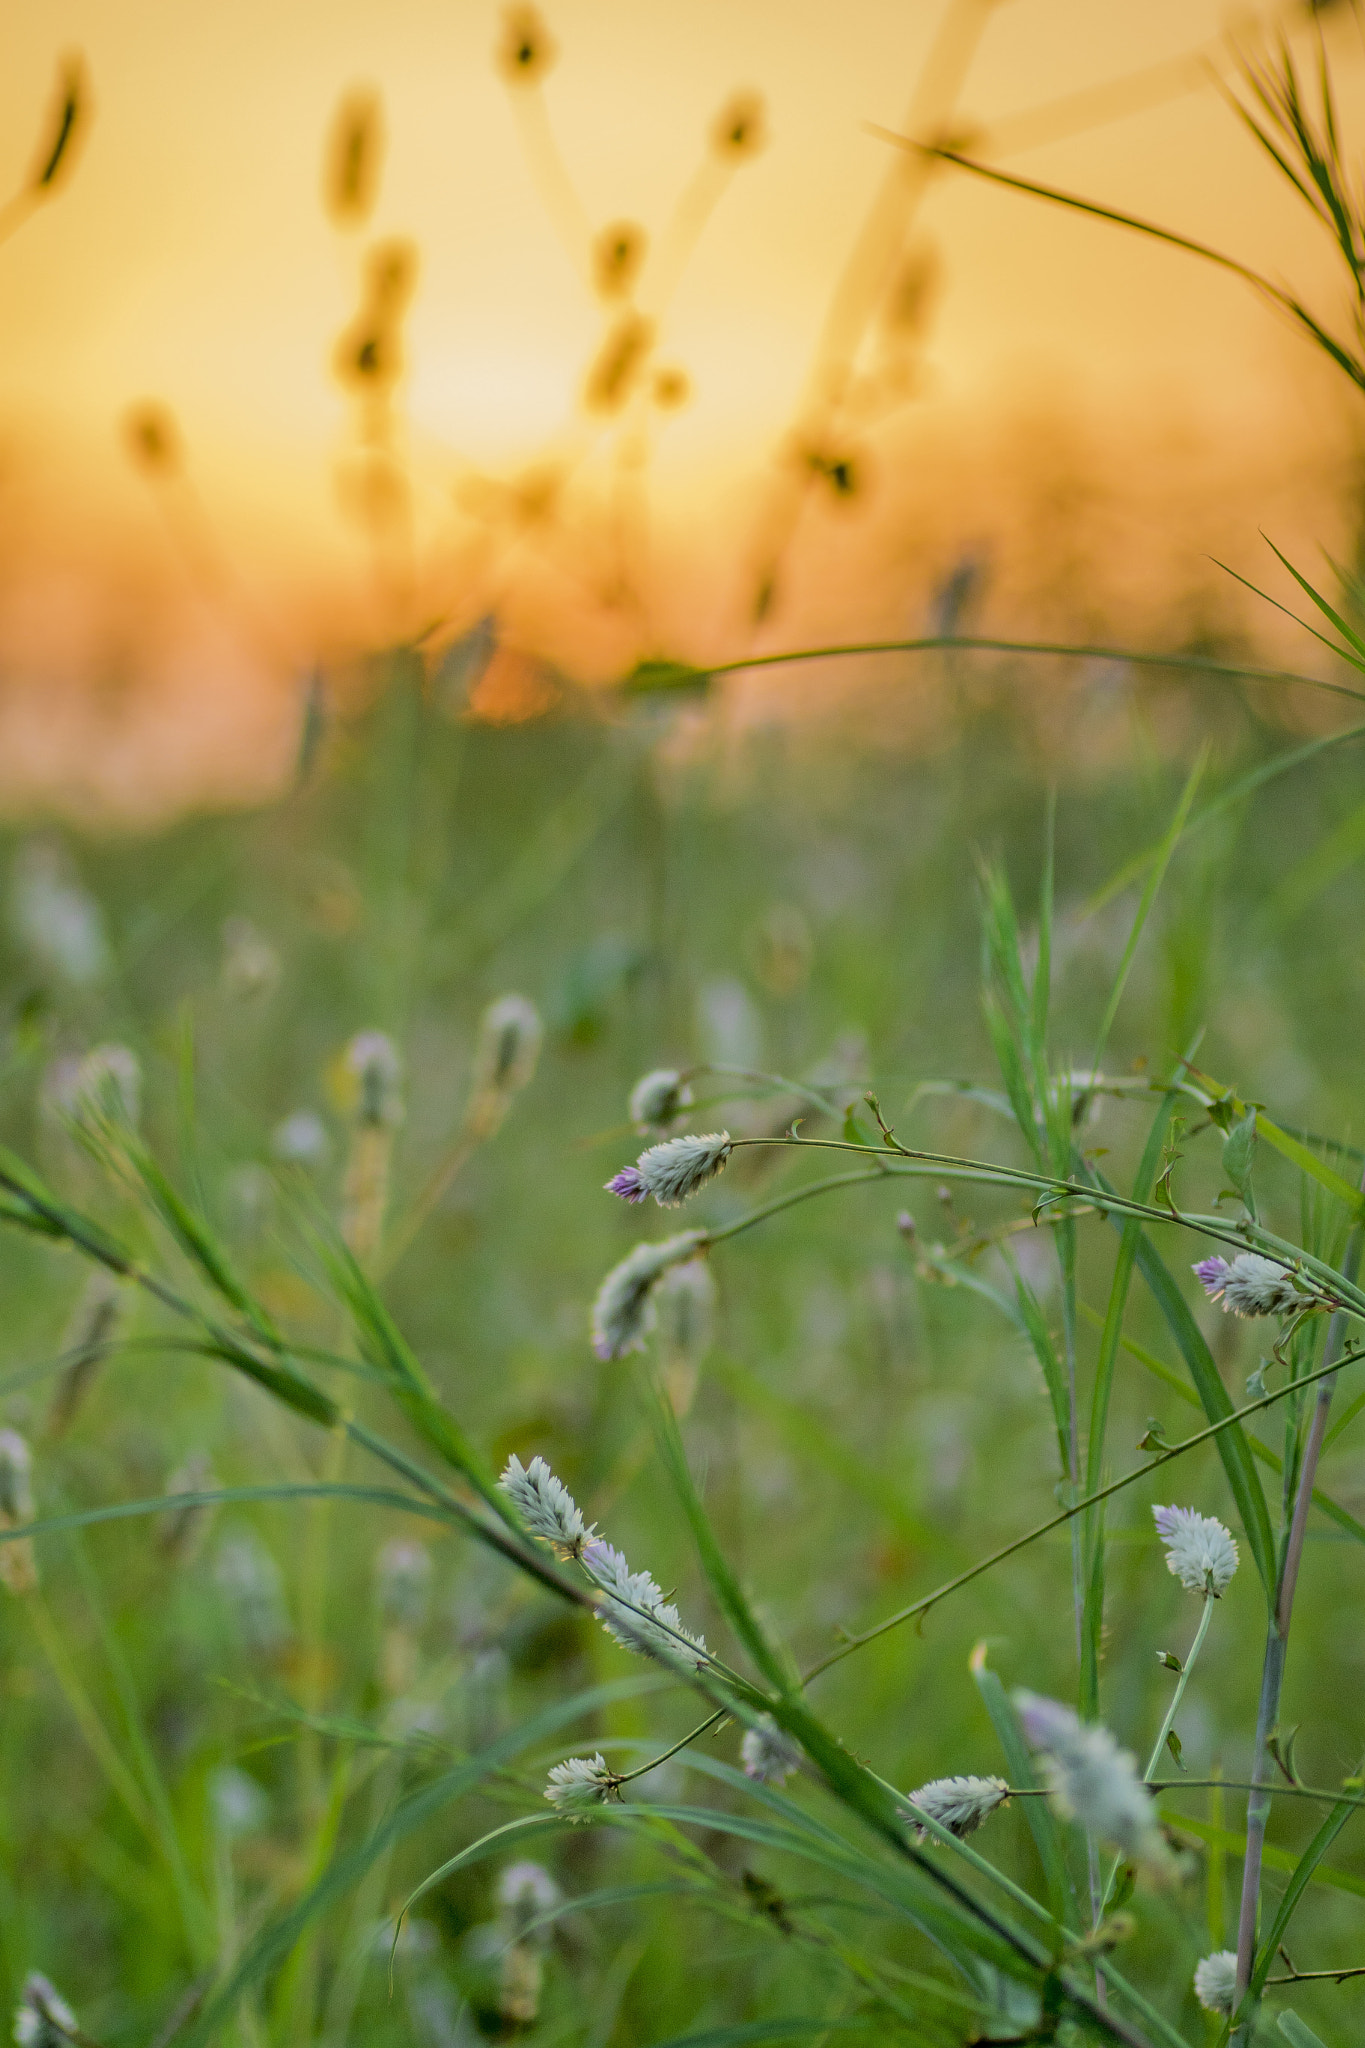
<point x="324" y="325"/>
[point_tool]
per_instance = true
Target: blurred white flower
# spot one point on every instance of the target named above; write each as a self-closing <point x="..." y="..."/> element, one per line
<point x="1093" y="1781"/>
<point x="251" y="966"/>
<point x="40" y="2006"/>
<point x="375" y="1066"/>
<point x="301" y="1139"/>
<point x="768" y="1753"/>
<point x="624" y="1312"/>
<point x="54" y="918"/>
<point x="658" y="1098"/>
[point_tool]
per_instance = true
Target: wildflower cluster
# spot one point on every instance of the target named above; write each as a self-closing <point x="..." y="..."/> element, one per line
<point x="42" y="2018"/>
<point x="1215" y="1981"/>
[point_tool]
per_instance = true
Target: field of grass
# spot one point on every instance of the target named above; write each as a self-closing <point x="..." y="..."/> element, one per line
<point x="235" y="1740"/>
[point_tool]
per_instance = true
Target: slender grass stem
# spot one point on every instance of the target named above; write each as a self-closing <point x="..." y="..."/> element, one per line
<point x="1195" y="1647"/>
<point x="1057" y="1521"/>
<point x="1272" y="1672"/>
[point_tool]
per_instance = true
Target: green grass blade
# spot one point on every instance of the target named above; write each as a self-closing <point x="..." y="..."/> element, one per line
<point x="1297" y="2032"/>
<point x="1294" y="1890"/>
<point x="774" y="1664"/>
<point x="1156" y="875"/>
<point x="1042" y="1823"/>
<point x="1233" y="1448"/>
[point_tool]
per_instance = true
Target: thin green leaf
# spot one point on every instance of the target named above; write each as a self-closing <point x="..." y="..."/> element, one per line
<point x="1038" y="1814"/>
<point x="1297" y="2032"/>
<point x="1156" y="875"/>
<point x="774" y="1664"/>
<point x="1233" y="1448"/>
<point x="1294" y="1890"/>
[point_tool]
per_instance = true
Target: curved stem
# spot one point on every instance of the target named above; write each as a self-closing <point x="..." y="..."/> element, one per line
<point x="1195" y="1647"/>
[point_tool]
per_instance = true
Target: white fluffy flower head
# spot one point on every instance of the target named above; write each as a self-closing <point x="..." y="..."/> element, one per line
<point x="546" y="1506"/>
<point x="375" y="1068"/>
<point x="958" y="1804"/>
<point x="768" y="1753"/>
<point x="634" y="1611"/>
<point x="674" y="1170"/>
<point x="623" y="1314"/>
<point x="1093" y="1781"/>
<point x="658" y="1098"/>
<point x="1252" y="1286"/>
<point x="1200" y="1552"/>
<point x="580" y="1784"/>
<point x="1215" y="1981"/>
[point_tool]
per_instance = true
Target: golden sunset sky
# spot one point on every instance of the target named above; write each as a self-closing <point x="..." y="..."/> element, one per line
<point x="1087" y="413"/>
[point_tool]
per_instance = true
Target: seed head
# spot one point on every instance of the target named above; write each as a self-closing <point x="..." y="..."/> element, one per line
<point x="624" y="1312"/>
<point x="1093" y="1781"/>
<point x="41" y="2014"/>
<point x="740" y="128"/>
<point x="657" y="1099"/>
<point x="634" y="1611"/>
<point x="301" y="1140"/>
<point x="673" y="1170"/>
<point x="527" y="50"/>
<point x="546" y="1506"/>
<point x="1252" y="1286"/>
<point x="525" y="1891"/>
<point x="580" y="1784"/>
<point x="1215" y="1981"/>
<point x="510" y="1034"/>
<point x="768" y="1753"/>
<point x="373" y="1060"/>
<point x="1200" y="1552"/>
<point x="959" y="1804"/>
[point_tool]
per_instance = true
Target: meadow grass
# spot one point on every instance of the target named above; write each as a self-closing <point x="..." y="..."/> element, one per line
<point x="235" y="1747"/>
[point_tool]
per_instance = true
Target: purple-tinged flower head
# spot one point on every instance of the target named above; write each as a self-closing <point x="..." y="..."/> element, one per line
<point x="1253" y="1286"/>
<point x="768" y="1754"/>
<point x="674" y="1170"/>
<point x="624" y="1312"/>
<point x="1211" y="1274"/>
